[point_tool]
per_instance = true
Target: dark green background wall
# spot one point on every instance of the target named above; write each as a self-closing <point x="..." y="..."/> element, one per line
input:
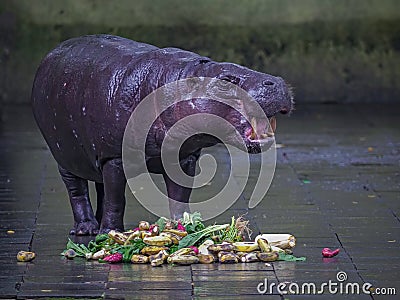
<point x="329" y="50"/>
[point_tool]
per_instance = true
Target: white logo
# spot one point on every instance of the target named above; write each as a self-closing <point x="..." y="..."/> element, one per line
<point x="341" y="276"/>
<point x="329" y="287"/>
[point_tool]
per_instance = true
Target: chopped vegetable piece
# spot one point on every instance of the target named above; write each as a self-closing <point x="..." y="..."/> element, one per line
<point x="326" y="252"/>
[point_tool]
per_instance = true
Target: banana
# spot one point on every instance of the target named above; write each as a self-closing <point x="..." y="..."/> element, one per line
<point x="157" y="240"/>
<point x="221" y="247"/>
<point x="151" y="250"/>
<point x="25" y="256"/>
<point x="118" y="237"/>
<point x="144" y="234"/>
<point x="263" y="244"/>
<point x="281" y="240"/>
<point x="206" y="258"/>
<point x="276" y="249"/>
<point x="249" y="257"/>
<point x="158" y="259"/>
<point x="240" y="254"/>
<point x="183" y="251"/>
<point x="268" y="256"/>
<point x="245" y="246"/>
<point x="183" y="259"/>
<point x="177" y="232"/>
<point x="227" y="257"/>
<point x="139" y="259"/>
<point x="173" y="237"/>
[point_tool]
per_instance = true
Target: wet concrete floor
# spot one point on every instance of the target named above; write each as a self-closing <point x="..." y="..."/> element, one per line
<point x="337" y="184"/>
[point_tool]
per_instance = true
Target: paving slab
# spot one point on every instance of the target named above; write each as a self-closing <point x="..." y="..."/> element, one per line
<point x="336" y="185"/>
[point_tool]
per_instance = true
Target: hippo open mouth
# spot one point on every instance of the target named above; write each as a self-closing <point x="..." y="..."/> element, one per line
<point x="260" y="135"/>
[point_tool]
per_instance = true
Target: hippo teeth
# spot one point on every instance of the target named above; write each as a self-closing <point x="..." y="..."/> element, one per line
<point x="269" y="130"/>
<point x="253" y="134"/>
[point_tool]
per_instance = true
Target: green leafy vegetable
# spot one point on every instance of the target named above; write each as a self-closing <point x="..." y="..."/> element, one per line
<point x="101" y="238"/>
<point x="128" y="250"/>
<point x="161" y="223"/>
<point x="80" y="249"/>
<point x="192" y="222"/>
<point x="192" y="238"/>
<point x="290" y="257"/>
<point x="173" y="249"/>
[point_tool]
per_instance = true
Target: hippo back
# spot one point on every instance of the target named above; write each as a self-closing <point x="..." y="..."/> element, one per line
<point x="75" y="100"/>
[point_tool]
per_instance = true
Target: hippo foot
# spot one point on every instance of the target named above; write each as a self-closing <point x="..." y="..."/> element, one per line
<point x="176" y="209"/>
<point x="85" y="228"/>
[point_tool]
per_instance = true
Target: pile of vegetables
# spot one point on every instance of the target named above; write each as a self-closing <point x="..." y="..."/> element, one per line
<point x="185" y="241"/>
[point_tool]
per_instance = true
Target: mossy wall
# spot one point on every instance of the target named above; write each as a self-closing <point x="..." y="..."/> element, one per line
<point x="329" y="50"/>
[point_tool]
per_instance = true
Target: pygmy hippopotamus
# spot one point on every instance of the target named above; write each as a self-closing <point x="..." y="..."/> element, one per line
<point x="84" y="93"/>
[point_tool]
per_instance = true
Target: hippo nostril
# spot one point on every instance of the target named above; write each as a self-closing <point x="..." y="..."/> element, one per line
<point x="267" y="83"/>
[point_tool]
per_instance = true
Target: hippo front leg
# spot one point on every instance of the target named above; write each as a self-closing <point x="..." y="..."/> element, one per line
<point x="179" y="195"/>
<point x="114" y="196"/>
<point x="85" y="222"/>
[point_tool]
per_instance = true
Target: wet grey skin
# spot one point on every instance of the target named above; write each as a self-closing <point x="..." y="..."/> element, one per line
<point x="84" y="93"/>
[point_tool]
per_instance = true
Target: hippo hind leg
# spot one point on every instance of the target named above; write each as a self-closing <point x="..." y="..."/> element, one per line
<point x="113" y="207"/>
<point x="85" y="222"/>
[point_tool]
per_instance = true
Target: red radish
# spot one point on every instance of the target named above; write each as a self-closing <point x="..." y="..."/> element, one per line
<point x="113" y="258"/>
<point x="326" y="252"/>
<point x="180" y="227"/>
<point x="194" y="248"/>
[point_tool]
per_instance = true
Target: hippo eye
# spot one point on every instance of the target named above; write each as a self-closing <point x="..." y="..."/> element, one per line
<point x="230" y="78"/>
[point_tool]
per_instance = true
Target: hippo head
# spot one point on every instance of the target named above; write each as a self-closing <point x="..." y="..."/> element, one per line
<point x="253" y="120"/>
